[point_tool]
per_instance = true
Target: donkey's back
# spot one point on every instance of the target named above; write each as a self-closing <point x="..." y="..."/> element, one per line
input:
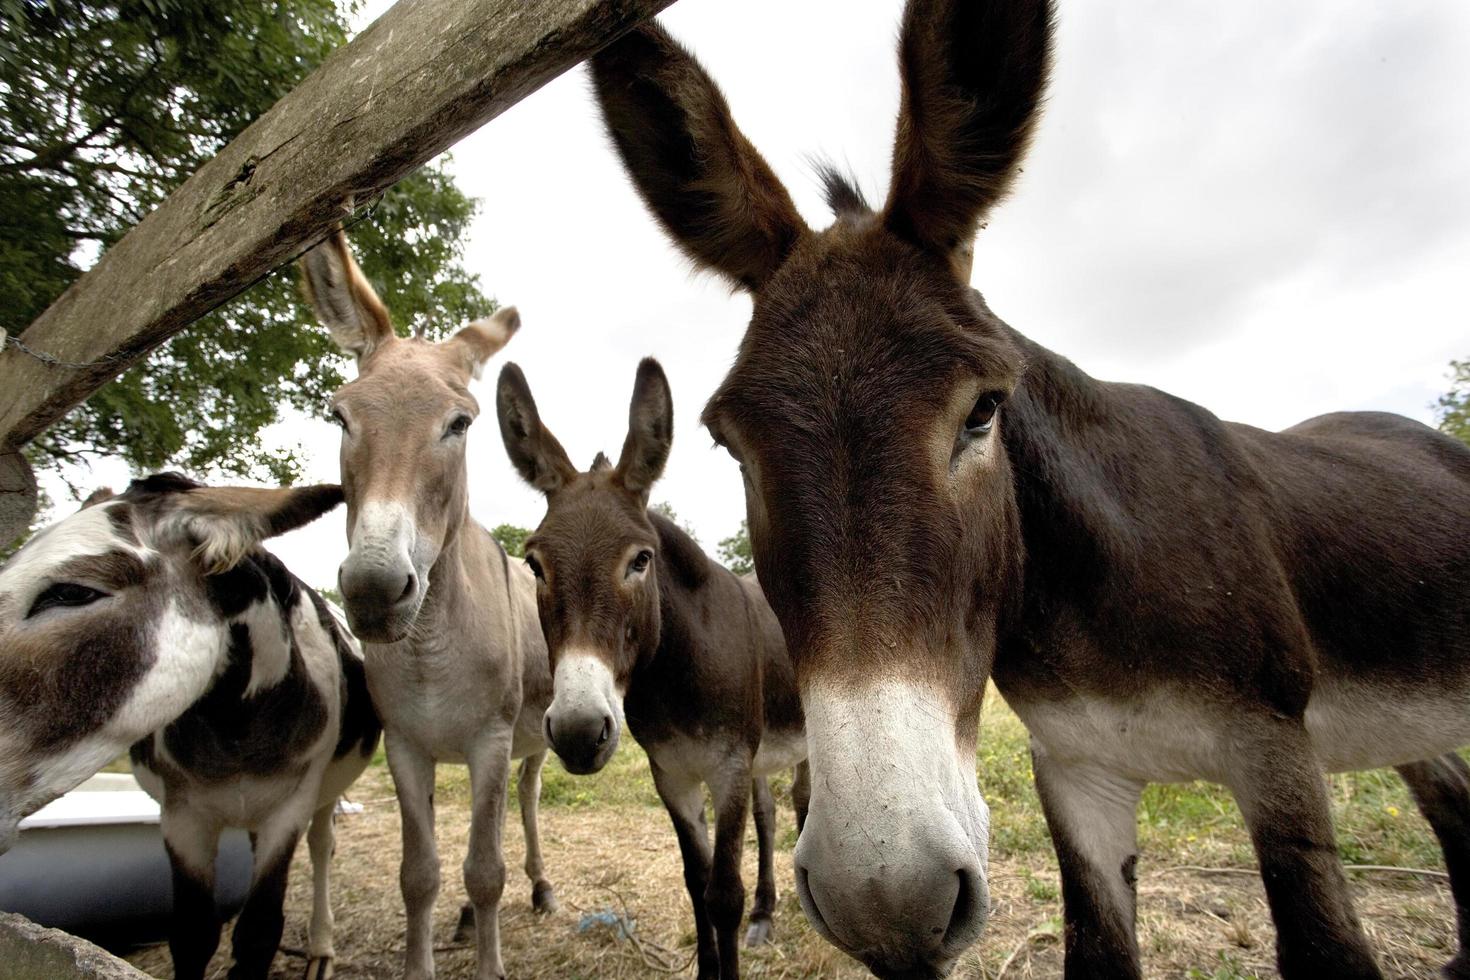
<point x="287" y="723"/>
<point x="1371" y="514"/>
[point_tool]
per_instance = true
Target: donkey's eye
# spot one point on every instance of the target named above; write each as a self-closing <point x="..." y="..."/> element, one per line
<point x="720" y="440"/>
<point x="982" y="417"/>
<point x="535" y="567"/>
<point x="65" y="594"/>
<point x="640" y="562"/>
<point x="459" y="426"/>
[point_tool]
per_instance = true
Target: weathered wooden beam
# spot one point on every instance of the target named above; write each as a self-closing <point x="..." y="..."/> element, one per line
<point x="423" y="76"/>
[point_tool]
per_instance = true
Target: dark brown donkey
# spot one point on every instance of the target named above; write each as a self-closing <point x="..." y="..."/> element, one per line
<point x="934" y="500"/>
<point x="639" y="620"/>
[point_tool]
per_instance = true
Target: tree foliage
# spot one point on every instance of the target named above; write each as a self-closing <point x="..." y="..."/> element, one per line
<point x="104" y="109"/>
<point x="735" y="551"/>
<point x="1453" y="407"/>
<point x="511" y="538"/>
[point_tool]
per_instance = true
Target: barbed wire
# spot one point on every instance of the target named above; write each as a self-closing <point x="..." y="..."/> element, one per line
<point x="8" y="340"/>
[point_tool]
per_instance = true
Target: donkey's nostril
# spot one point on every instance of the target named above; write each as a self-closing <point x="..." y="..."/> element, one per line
<point x="969" y="914"/>
<point x="606" y="731"/>
<point x="409" y="585"/>
<point x="963" y="899"/>
<point x="804" y="890"/>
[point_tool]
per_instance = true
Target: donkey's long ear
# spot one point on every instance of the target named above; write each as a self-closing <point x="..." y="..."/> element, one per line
<point x="973" y="73"/>
<point x="650" y="430"/>
<point x="697" y="172"/>
<point x="532" y="448"/>
<point x="344" y="301"/>
<point x="484" y="338"/>
<point x="226" y="522"/>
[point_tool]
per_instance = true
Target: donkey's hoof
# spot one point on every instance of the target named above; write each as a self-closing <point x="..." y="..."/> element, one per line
<point x="464" y="932"/>
<point x="320" y="968"/>
<point x="543" y="899"/>
<point x="760" y="933"/>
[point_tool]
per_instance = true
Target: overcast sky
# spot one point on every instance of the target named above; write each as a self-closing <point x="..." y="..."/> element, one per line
<point x="1262" y="207"/>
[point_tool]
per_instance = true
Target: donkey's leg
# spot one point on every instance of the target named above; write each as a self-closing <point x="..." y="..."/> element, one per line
<point x="484" y="865"/>
<point x="418" y="874"/>
<point x="464" y="929"/>
<point x="801" y="793"/>
<point x="725" y="895"/>
<point x="1093" y="819"/>
<point x="764" y="808"/>
<point x="528" y="791"/>
<point x="258" y="930"/>
<point x="684" y="799"/>
<point x="194" y="928"/>
<point x="321" y="842"/>
<point x="1279" y="786"/>
<point x="1441" y="787"/>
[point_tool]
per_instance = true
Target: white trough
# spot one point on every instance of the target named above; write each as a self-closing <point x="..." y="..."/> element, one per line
<point x="93" y="864"/>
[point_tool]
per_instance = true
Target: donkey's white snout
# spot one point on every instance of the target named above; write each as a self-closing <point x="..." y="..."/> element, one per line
<point x="585" y="717"/>
<point x="381" y="583"/>
<point x="891" y="864"/>
<point x="905" y="907"/>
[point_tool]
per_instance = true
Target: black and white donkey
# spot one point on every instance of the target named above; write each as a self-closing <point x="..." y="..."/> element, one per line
<point x="153" y="619"/>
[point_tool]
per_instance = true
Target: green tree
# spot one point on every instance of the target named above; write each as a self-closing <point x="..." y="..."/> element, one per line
<point x="1453" y="407"/>
<point x="105" y="107"/>
<point x="511" y="538"/>
<point x="735" y="551"/>
<point x="667" y="509"/>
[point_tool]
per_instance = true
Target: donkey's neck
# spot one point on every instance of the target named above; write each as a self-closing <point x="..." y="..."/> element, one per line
<point x="1065" y="434"/>
<point x="271" y="593"/>
<point x="468" y="574"/>
<point x="684" y="570"/>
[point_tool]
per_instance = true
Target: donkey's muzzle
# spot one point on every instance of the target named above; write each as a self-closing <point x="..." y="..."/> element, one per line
<point x="583" y="740"/>
<point x="585" y="717"/>
<point x="381" y="600"/>
<point x="910" y="918"/>
<point x="891" y="862"/>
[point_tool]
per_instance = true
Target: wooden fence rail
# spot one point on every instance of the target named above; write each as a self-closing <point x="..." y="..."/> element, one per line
<point x="423" y="76"/>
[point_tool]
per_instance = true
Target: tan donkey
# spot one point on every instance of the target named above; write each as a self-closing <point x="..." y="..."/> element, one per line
<point x="456" y="662"/>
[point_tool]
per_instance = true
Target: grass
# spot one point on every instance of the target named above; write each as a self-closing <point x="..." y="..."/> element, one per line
<point x="626" y="781"/>
<point x="609" y="846"/>
<point x="1227" y="968"/>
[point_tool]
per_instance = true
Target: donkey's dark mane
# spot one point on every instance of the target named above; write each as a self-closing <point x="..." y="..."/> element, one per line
<point x="841" y="191"/>
<point x="166" y="482"/>
<point x="685" y="556"/>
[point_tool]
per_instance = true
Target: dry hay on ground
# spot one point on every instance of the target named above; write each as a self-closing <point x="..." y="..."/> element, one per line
<point x="1192" y="924"/>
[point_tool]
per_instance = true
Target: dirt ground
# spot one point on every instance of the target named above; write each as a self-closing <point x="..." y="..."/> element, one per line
<point x="1210" y="924"/>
